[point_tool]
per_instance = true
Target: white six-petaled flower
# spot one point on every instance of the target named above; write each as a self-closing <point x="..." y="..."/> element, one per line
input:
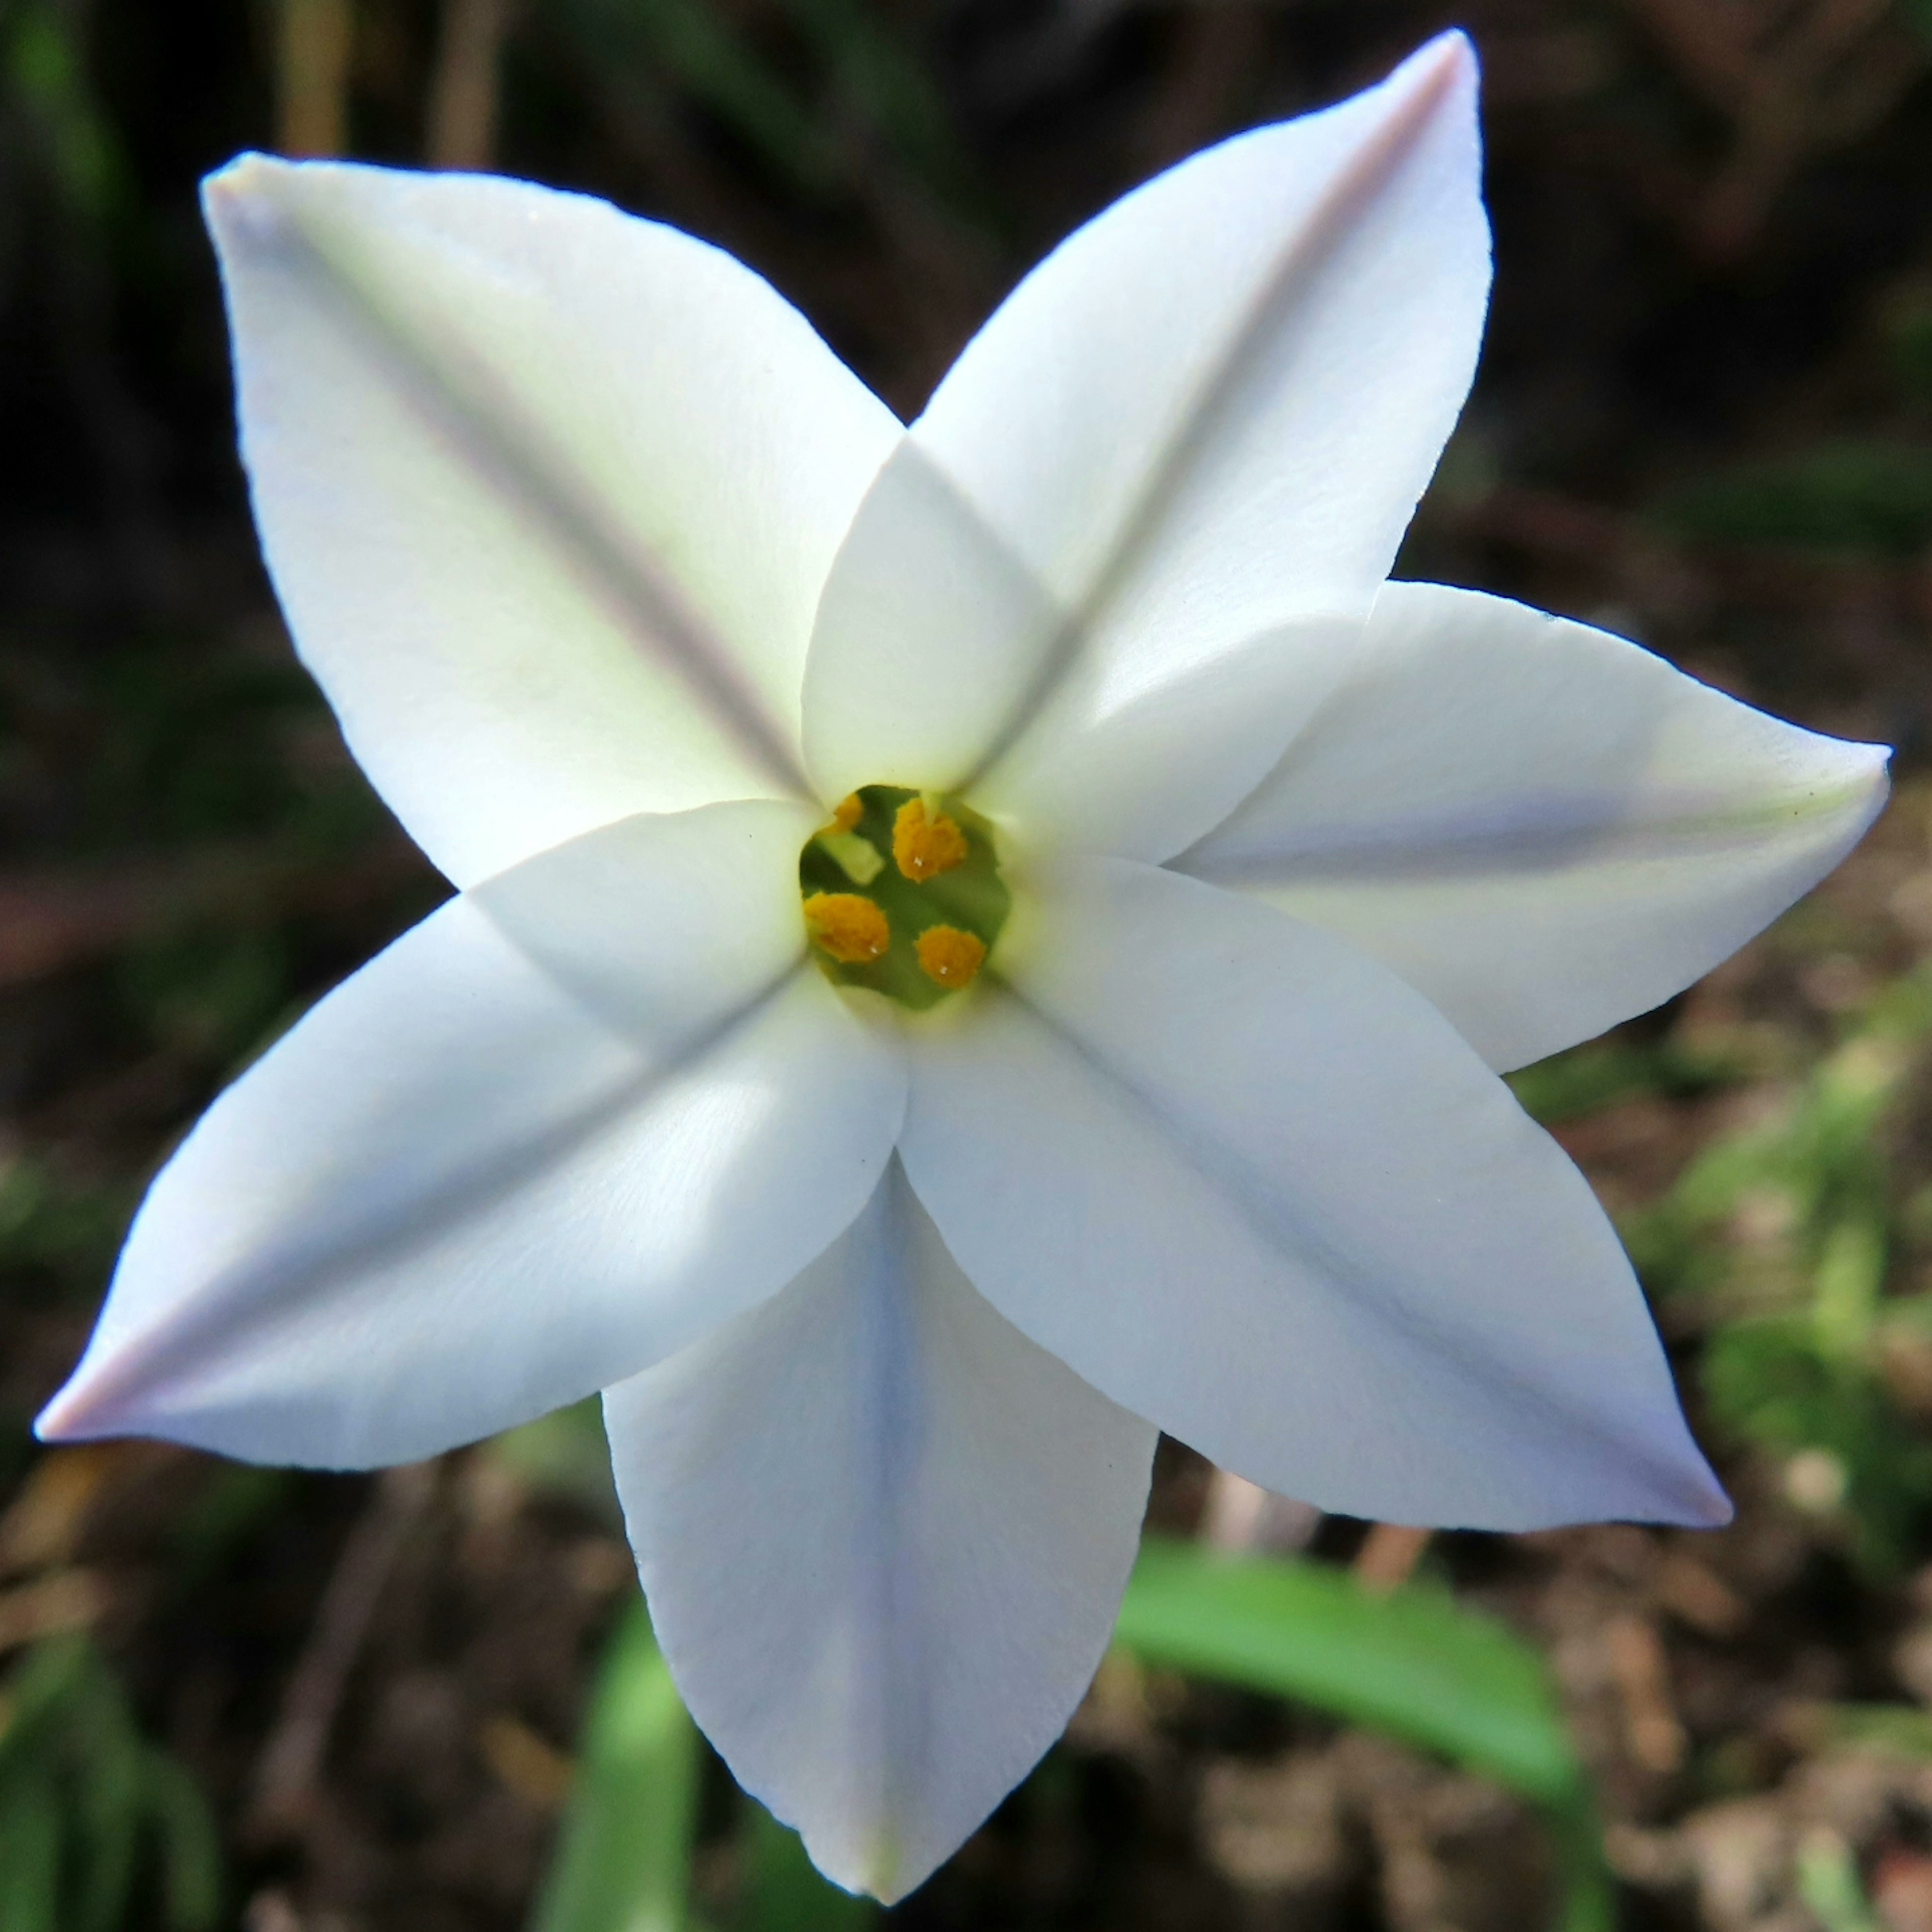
<point x="632" y="601"/>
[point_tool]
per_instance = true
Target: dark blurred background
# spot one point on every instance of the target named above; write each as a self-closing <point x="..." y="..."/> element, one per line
<point x="1704" y="419"/>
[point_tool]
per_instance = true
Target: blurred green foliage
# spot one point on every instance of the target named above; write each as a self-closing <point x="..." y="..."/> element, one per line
<point x="44" y="78"/>
<point x="1868" y="494"/>
<point x="1784" y="1233"/>
<point x="53" y="1226"/>
<point x="1604" y="1071"/>
<point x="565" y="1454"/>
<point x="624" y="1861"/>
<point x="821" y="123"/>
<point x="1829" y="1884"/>
<point x="1412" y="1662"/>
<point x="93" y="1818"/>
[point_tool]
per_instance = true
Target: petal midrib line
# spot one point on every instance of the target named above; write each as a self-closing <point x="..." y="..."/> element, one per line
<point x="233" y="1300"/>
<point x="1218" y="391"/>
<point x="1526" y="835"/>
<point x="462" y="399"/>
<point x="1225" y="1174"/>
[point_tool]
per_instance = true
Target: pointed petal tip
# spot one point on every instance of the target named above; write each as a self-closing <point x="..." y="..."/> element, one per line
<point x="1862" y="757"/>
<point x="873" y="1872"/>
<point x="102" y="1398"/>
<point x="240" y="201"/>
<point x="1440" y="63"/>
<point x="1682" y="1489"/>
<point x="1853" y="773"/>
<point x="69" y="1417"/>
<point x="248" y="171"/>
<point x="1718" y="1510"/>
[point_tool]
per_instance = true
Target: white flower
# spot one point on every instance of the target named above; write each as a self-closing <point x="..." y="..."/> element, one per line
<point x="619" y="584"/>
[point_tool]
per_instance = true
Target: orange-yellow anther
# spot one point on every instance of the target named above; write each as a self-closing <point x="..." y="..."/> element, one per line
<point x="950" y="956"/>
<point x="924" y="847"/>
<point x="846" y="814"/>
<point x="852" y="929"/>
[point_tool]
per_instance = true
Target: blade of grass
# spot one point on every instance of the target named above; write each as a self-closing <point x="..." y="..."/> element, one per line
<point x="1413" y="1664"/>
<point x="623" y="1863"/>
<point x="189" y="1845"/>
<point x="30" y="1852"/>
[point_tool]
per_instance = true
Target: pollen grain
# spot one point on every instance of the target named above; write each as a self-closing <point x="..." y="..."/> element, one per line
<point x="851" y="929"/>
<point x="846" y="814"/>
<point x="924" y="846"/>
<point x="950" y="956"/>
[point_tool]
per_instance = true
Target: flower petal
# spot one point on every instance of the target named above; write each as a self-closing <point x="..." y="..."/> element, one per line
<point x="884" y="1537"/>
<point x="548" y="494"/>
<point x="1251" y="1185"/>
<point x="484" y="1178"/>
<point x="928" y="634"/>
<point x="1203" y="421"/>
<point x="1543" y="828"/>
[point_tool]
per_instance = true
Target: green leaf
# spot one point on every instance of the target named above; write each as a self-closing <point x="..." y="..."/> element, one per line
<point x="30" y="1855"/>
<point x="1415" y="1664"/>
<point x="624" y="1861"/>
<point x="1605" y="1071"/>
<point x="109" y="1811"/>
<point x="190" y="1846"/>
<point x="73" y="1763"/>
<point x="54" y="1672"/>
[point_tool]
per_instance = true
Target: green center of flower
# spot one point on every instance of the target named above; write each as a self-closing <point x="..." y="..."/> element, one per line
<point x="902" y="894"/>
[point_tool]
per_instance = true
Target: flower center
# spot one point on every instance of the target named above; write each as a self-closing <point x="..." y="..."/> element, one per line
<point x="902" y="894"/>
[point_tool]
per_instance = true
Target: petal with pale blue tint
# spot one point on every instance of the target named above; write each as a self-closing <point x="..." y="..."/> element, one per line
<point x="883" y="1537"/>
<point x="1542" y="827"/>
<point x="1250" y="1184"/>
<point x="548" y="494"/>
<point x="566" y="1125"/>
<point x="1199" y="428"/>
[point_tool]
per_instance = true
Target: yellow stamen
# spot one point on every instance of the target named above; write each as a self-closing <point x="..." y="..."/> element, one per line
<point x="926" y="844"/>
<point x="852" y="929"/>
<point x="950" y="956"/>
<point x="846" y="814"/>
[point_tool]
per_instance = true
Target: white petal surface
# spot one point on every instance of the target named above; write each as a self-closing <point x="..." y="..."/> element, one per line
<point x="884" y="1537"/>
<point x="1544" y="828"/>
<point x="548" y="494"/>
<point x="928" y="634"/>
<point x="1201" y="422"/>
<point x="1251" y="1185"/>
<point x="469" y="1187"/>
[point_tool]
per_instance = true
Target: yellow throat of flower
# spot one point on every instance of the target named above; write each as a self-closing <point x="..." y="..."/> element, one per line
<point x="902" y="894"/>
